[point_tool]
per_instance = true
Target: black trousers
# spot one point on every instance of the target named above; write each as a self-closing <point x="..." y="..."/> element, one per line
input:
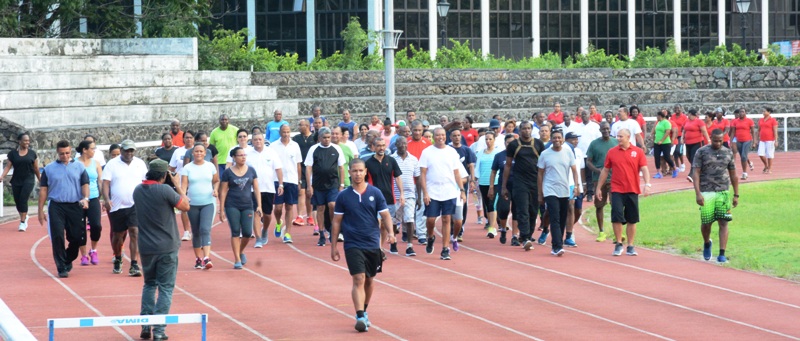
<point x="662" y="150"/>
<point x="22" y="193"/>
<point x="526" y="203"/>
<point x="557" y="208"/>
<point x="66" y="219"/>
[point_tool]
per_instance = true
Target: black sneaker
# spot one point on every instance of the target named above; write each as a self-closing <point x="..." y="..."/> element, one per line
<point x="160" y="337"/>
<point x="134" y="271"/>
<point x="63" y="274"/>
<point x="198" y="264"/>
<point x="617" y="249"/>
<point x="503" y="236"/>
<point x="429" y="247"/>
<point x="145" y="334"/>
<point x="527" y="245"/>
<point x="69" y="267"/>
<point x="631" y="251"/>
<point x="117" y="265"/>
<point x="514" y="241"/>
<point x="410" y="252"/>
<point x="321" y="241"/>
<point x="445" y="254"/>
<point x="393" y="248"/>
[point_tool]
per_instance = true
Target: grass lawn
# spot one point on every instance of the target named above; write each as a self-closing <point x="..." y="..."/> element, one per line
<point x="763" y="235"/>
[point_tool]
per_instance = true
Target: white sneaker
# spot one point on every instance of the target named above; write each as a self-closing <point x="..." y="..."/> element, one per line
<point x="683" y="168"/>
<point x="23" y="226"/>
<point x="186" y="236"/>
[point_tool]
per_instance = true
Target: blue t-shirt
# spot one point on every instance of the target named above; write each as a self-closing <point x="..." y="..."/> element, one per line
<point x="499" y="165"/>
<point x="273" y="131"/>
<point x="349" y="126"/>
<point x="360" y="228"/>
<point x="484" y="168"/>
<point x="240" y="188"/>
<point x="201" y="188"/>
<point x="466" y="155"/>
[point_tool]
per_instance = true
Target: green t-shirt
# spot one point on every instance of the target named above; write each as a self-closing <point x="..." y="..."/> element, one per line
<point x="597" y="152"/>
<point x="663" y="127"/>
<point x="348" y="155"/>
<point x="223" y="140"/>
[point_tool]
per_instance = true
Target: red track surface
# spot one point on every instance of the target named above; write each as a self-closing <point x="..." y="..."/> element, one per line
<point x="488" y="291"/>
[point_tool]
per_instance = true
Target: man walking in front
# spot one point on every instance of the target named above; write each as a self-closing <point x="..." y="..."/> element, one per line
<point x="354" y="216"/>
<point x="624" y="162"/>
<point x="159" y="241"/>
<point x="713" y="172"/>
<point x="554" y="187"/>
<point x="65" y="184"/>
<point x="523" y="156"/>
<point x="325" y="165"/>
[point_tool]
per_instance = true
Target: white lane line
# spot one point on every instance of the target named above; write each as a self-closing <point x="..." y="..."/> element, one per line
<point x="498" y="325"/>
<point x="311" y="298"/>
<point x="560" y="305"/>
<point x="636" y="294"/>
<point x="67" y="288"/>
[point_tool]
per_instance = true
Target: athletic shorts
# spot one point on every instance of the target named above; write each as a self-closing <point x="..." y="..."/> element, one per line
<point x="459" y="213"/>
<point x="123" y="218"/>
<point x="267" y="200"/>
<point x="766" y="149"/>
<point x="440" y="208"/>
<point x="362" y="261"/>
<point x="624" y="208"/>
<point x="289" y="196"/>
<point x="321" y="198"/>
<point x="717" y="206"/>
<point x="744" y="148"/>
<point x="405" y="213"/>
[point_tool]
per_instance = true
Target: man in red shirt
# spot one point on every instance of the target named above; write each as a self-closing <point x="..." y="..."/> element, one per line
<point x="767" y="131"/>
<point x="625" y="162"/>
<point x="743" y="129"/>
<point x="557" y="116"/>
<point x="470" y="134"/>
<point x="678" y="120"/>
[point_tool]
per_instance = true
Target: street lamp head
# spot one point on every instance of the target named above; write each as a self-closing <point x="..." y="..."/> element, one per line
<point x="743" y="5"/>
<point x="443" y="6"/>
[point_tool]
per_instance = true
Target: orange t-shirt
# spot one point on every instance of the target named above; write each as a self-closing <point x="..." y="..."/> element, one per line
<point x="766" y="129"/>
<point x="742" y="127"/>
<point x="416" y="147"/>
<point x="556" y="117"/>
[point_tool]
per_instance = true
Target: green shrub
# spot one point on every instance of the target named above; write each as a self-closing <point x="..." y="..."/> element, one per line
<point x="228" y="51"/>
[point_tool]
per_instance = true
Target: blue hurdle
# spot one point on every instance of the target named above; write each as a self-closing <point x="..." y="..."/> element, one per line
<point x="131" y="320"/>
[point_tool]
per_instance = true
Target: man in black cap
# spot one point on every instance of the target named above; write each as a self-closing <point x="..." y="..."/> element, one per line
<point x="575" y="202"/>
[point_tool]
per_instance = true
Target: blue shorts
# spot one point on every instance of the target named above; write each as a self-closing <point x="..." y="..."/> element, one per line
<point x="321" y="198"/>
<point x="440" y="208"/>
<point x="289" y="195"/>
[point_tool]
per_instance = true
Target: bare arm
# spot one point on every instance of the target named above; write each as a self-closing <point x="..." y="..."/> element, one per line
<point x="106" y="197"/>
<point x="696" y="182"/>
<point x="223" y="193"/>
<point x="6" y="169"/>
<point x="704" y="131"/>
<point x="42" y="200"/>
<point x="387" y="226"/>
<point x="601" y="180"/>
<point x="735" y="184"/>
<point x="591" y="166"/>
<point x="39" y="174"/>
<point x="539" y="180"/>
<point x="422" y="173"/>
<point x="577" y="181"/>
<point x="646" y="176"/>
<point x="336" y="228"/>
<point x="506" y="171"/>
<point x="460" y="184"/>
<point x="309" y="189"/>
<point x="492" y="176"/>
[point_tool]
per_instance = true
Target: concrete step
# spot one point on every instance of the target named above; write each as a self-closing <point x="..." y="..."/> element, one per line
<point x="477" y="88"/>
<point x="546" y="100"/>
<point x="51" y="118"/>
<point x="29" y="99"/>
<point x="120" y="79"/>
<point x="96" y="63"/>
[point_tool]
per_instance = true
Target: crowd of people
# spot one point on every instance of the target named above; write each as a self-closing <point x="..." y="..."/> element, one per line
<point x="364" y="184"/>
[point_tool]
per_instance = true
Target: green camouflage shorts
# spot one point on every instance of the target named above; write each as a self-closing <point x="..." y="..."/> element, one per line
<point x="717" y="206"/>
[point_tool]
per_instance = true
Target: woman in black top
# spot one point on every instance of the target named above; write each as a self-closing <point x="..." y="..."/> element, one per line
<point x="26" y="173"/>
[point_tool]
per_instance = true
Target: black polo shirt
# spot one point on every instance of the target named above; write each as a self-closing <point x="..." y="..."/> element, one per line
<point x="381" y="174"/>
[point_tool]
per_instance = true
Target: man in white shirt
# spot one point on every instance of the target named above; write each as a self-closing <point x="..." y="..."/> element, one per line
<point x="291" y="159"/>
<point x="590" y="131"/>
<point x="325" y="165"/>
<point x="575" y="202"/>
<point x="626" y="123"/>
<point x="440" y="179"/>
<point x="268" y="166"/>
<point x="120" y="177"/>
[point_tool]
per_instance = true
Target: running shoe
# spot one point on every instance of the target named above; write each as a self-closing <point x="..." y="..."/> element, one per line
<point x="393" y="248"/>
<point x="186" y="236"/>
<point x="601" y="237"/>
<point x="527" y="245"/>
<point x="259" y="244"/>
<point x="117" y="265"/>
<point x="316" y="230"/>
<point x="460" y="238"/>
<point x="237" y="265"/>
<point x="410" y="252"/>
<point x="361" y="324"/>
<point x="674" y="173"/>
<point x="145" y="334"/>
<point x="454" y="242"/>
<point x="134" y="271"/>
<point x="744" y="176"/>
<point x="689" y="178"/>
<point x="207" y="264"/>
<point x="570" y="242"/>
<point x="63" y="274"/>
<point x="310" y="221"/>
<point x="658" y="176"/>
<point x="514" y="241"/>
<point x="502" y="236"/>
<point x="299" y="221"/>
<point x="340" y="238"/>
<point x="287" y="238"/>
<point x="617" y="249"/>
<point x="429" y="246"/>
<point x="22" y="226"/>
<point x="366" y="316"/>
<point x="631" y="251"/>
<point x="198" y="263"/>
<point x="243" y="258"/>
<point x="84" y="260"/>
<point x="480" y="220"/>
<point x="94" y="258"/>
<point x="491" y="232"/>
<point x="321" y="241"/>
<point x="707" y="250"/>
<point x="445" y="254"/>
<point x="683" y="168"/>
<point x="750" y="163"/>
<point x="423" y="241"/>
<point x="722" y="259"/>
<point x="278" y="225"/>
<point x="543" y="238"/>
<point x="557" y="252"/>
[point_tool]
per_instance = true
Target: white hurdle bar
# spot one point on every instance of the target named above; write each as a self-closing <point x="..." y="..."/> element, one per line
<point x="132" y="320"/>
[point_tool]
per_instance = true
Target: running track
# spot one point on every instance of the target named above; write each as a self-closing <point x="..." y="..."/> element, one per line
<point x="488" y="291"/>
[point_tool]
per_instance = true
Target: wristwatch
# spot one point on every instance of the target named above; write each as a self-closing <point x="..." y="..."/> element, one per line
<point x="341" y="185"/>
<point x="280" y="186"/>
<point x="648" y="185"/>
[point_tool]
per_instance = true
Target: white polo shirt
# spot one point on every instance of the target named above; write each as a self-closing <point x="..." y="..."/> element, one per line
<point x="440" y="164"/>
<point x="124" y="178"/>
<point x="265" y="163"/>
<point x="290" y="156"/>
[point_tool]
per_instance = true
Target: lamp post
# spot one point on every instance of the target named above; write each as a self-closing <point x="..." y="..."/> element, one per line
<point x="743" y="6"/>
<point x="442" y="7"/>
<point x="391" y="39"/>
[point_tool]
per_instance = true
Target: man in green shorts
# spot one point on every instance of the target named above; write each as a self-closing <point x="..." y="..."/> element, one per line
<point x="713" y="172"/>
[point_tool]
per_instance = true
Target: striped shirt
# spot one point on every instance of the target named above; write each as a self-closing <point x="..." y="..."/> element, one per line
<point x="410" y="168"/>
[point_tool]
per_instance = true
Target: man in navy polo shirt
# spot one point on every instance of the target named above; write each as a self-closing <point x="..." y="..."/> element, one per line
<point x="354" y="215"/>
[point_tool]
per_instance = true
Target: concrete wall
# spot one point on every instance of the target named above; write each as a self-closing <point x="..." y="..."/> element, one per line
<point x="91" y="47"/>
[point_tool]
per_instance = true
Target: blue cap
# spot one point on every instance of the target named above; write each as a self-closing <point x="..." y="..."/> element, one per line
<point x="494" y="123"/>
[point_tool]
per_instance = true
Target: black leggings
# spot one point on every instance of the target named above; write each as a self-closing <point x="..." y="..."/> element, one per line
<point x="691" y="149"/>
<point x="488" y="203"/>
<point x="21" y="194"/>
<point x="92" y="217"/>
<point x="662" y="150"/>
